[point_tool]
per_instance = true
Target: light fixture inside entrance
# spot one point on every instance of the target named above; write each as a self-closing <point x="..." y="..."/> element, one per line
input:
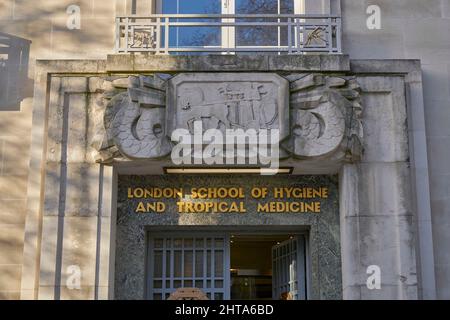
<point x="175" y="170"/>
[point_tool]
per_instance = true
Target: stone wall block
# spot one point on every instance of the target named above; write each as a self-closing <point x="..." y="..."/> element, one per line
<point x="388" y="242"/>
<point x="82" y="190"/>
<point x="80" y="239"/>
<point x="384" y="189"/>
<point x="384" y="119"/>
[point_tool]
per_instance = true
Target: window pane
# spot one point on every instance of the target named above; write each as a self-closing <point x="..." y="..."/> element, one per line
<point x="199" y="264"/>
<point x="170" y="6"/>
<point x="218" y="261"/>
<point x="157" y="296"/>
<point x="188" y="263"/>
<point x="199" y="243"/>
<point x="189" y="6"/>
<point x="168" y="264"/>
<point x="177" y="264"/>
<point x="258" y="35"/>
<point x="208" y="263"/>
<point x="193" y="36"/>
<point x="158" y="243"/>
<point x="177" y="243"/>
<point x="188" y="243"/>
<point x="185" y="265"/>
<point x="218" y="243"/>
<point x="158" y="258"/>
<point x="264" y="35"/>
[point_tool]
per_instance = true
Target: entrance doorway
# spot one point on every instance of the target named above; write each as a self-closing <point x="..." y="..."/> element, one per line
<point x="228" y="266"/>
<point x="265" y="267"/>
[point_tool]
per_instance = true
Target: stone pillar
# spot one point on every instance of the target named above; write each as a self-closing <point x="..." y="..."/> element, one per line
<point x="377" y="220"/>
<point x="349" y="207"/>
<point x="106" y="233"/>
<point x="421" y="183"/>
<point x="70" y="197"/>
<point x="72" y="186"/>
<point x="32" y="239"/>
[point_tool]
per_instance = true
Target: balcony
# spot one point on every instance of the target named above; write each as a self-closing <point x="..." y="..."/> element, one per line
<point x="165" y="34"/>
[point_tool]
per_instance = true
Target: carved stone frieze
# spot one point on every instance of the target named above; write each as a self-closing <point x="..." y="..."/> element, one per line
<point x="318" y="116"/>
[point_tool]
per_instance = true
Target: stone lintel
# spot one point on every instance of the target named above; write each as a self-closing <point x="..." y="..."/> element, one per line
<point x="213" y="63"/>
<point x="409" y="67"/>
<point x="73" y="66"/>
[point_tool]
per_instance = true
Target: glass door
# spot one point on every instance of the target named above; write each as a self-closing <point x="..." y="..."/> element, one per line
<point x="288" y="265"/>
<point x="223" y="266"/>
<point x="183" y="261"/>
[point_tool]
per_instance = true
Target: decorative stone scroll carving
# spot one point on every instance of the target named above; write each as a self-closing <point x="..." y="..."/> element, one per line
<point x="322" y="118"/>
<point x="325" y="117"/>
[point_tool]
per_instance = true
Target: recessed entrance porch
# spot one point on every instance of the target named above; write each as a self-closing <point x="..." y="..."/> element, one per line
<point x="230" y="265"/>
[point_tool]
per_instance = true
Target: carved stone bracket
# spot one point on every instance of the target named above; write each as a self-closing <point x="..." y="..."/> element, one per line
<point x="325" y="117"/>
<point x="133" y="125"/>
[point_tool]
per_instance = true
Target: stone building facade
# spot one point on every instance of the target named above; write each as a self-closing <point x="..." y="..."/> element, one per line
<point x="367" y="123"/>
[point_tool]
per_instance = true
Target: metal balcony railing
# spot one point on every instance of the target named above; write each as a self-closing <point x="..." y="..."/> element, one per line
<point x="209" y="33"/>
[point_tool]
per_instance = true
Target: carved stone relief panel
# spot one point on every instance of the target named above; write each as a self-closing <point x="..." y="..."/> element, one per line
<point x="229" y="101"/>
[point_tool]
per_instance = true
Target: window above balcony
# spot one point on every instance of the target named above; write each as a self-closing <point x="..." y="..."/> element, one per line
<point x="230" y="26"/>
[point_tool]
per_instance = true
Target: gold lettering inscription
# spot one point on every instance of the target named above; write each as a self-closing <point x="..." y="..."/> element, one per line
<point x="289" y="207"/>
<point x="300" y="193"/>
<point x="211" y="207"/>
<point x="220" y="199"/>
<point x="157" y="207"/>
<point x="156" y="193"/>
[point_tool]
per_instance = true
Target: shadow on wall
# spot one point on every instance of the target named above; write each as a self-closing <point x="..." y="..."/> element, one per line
<point x="14" y="82"/>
